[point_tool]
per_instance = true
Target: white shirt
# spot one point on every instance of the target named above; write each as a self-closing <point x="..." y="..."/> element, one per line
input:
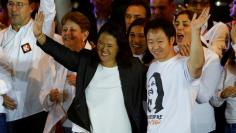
<point x="170" y="104"/>
<point x="203" y="117"/>
<point x="32" y="69"/>
<point x="105" y="102"/>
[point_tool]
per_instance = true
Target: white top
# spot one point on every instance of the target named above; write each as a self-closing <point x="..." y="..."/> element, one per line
<point x="5" y="78"/>
<point x="32" y="69"/>
<point x="170" y="104"/>
<point x="227" y="79"/>
<point x="106" y="103"/>
<point x="203" y="117"/>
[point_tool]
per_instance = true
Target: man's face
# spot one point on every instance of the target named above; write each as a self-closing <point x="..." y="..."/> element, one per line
<point x="160" y="46"/>
<point x="233" y="9"/>
<point x="162" y="8"/>
<point x="19" y="11"/>
<point x="132" y="13"/>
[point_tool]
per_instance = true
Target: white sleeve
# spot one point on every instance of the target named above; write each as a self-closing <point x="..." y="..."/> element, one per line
<point x="5" y="74"/>
<point x="210" y="78"/>
<point x="49" y="10"/>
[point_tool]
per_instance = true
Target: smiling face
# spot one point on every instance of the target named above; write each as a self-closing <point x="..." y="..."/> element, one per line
<point x="160" y="46"/>
<point x="72" y="36"/>
<point x="152" y="93"/>
<point x="137" y="40"/>
<point x="183" y="30"/>
<point x="107" y="49"/>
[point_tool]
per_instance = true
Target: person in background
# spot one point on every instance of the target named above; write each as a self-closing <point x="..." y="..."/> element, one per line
<point x="203" y="119"/>
<point x="75" y="30"/>
<point x="134" y="10"/>
<point x="163" y="8"/>
<point x="137" y="40"/>
<point x="31" y="66"/>
<point x="5" y="88"/>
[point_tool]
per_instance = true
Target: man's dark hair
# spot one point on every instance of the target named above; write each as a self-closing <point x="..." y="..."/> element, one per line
<point x="140" y="3"/>
<point x="160" y="23"/>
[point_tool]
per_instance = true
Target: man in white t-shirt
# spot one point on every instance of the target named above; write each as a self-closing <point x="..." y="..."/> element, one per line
<point x="171" y="76"/>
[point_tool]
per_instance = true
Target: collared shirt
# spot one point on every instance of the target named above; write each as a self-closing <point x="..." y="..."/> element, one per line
<point x="31" y="66"/>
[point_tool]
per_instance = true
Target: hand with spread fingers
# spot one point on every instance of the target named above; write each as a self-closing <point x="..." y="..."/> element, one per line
<point x="198" y="22"/>
<point x="8" y="102"/>
<point x="228" y="92"/>
<point x="37" y="28"/>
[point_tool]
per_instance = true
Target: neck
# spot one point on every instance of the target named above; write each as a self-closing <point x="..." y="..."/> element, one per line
<point x="16" y="27"/>
<point x="109" y="64"/>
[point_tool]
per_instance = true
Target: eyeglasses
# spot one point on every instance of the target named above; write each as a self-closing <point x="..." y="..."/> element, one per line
<point x="18" y="5"/>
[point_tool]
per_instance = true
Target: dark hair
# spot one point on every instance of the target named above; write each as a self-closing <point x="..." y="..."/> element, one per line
<point x="140" y="3"/>
<point x="189" y="13"/>
<point x="117" y="31"/>
<point x="158" y="103"/>
<point x="79" y="19"/>
<point x="160" y="23"/>
<point x="137" y="22"/>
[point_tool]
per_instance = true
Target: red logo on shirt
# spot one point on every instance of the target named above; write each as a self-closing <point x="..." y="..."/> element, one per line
<point x="26" y="48"/>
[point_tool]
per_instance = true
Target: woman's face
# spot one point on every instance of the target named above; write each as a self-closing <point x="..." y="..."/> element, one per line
<point x="72" y="36"/>
<point x="152" y="93"/>
<point x="137" y="41"/>
<point x="183" y="30"/>
<point x="107" y="49"/>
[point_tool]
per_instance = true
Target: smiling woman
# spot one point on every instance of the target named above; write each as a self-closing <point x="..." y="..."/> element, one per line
<point x="110" y="82"/>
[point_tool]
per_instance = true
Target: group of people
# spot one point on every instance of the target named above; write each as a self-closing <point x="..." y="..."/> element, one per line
<point x="159" y="71"/>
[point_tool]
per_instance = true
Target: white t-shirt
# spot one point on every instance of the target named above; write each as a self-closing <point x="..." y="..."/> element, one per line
<point x="170" y="103"/>
<point x="105" y="102"/>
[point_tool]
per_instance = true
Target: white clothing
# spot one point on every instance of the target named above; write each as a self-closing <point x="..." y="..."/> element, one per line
<point x="31" y="70"/>
<point x="203" y="118"/>
<point x="58" y="111"/>
<point x="106" y="102"/>
<point x="217" y="38"/>
<point x="228" y="79"/>
<point x="5" y="78"/>
<point x="178" y="99"/>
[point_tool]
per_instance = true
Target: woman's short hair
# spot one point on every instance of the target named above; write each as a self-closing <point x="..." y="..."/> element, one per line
<point x="79" y="19"/>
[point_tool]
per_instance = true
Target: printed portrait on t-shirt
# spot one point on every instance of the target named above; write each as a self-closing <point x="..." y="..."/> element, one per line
<point x="155" y="93"/>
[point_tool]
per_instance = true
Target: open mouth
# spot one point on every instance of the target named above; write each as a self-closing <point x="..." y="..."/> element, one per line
<point x="179" y="37"/>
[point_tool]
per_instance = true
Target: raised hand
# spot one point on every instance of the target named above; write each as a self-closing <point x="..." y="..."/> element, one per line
<point x="38" y="24"/>
<point x="197" y="23"/>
